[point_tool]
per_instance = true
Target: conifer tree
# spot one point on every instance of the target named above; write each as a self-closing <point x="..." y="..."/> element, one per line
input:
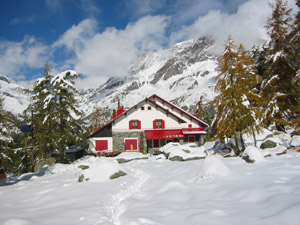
<point x="65" y="109"/>
<point x="43" y="128"/>
<point x="294" y="57"/>
<point x="6" y="124"/>
<point x="236" y="112"/>
<point x="277" y="84"/>
<point x="56" y="119"/>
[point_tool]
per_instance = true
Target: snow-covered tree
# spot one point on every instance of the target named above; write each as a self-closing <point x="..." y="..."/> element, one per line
<point x="6" y="125"/>
<point x="64" y="105"/>
<point x="277" y="87"/>
<point x="237" y="103"/>
<point x="55" y="115"/>
<point x="294" y="53"/>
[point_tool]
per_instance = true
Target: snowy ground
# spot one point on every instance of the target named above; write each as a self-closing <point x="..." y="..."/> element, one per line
<point x="156" y="190"/>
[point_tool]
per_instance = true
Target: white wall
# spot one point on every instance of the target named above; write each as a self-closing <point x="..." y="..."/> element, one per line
<point x="178" y="113"/>
<point x="146" y="117"/>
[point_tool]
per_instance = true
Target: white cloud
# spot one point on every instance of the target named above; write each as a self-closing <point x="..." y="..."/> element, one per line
<point x="73" y="39"/>
<point x="246" y="26"/>
<point x="111" y="52"/>
<point x="14" y="56"/>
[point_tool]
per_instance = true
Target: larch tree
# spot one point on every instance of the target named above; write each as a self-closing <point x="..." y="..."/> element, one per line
<point x="235" y="112"/>
<point x="95" y="120"/>
<point x="277" y="87"/>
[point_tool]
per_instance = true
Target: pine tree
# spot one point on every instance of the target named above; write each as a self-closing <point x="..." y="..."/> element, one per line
<point x="56" y="119"/>
<point x="66" y="113"/>
<point x="277" y="84"/>
<point x="236" y="104"/>
<point x="294" y="58"/>
<point x="43" y="128"/>
<point x="6" y="124"/>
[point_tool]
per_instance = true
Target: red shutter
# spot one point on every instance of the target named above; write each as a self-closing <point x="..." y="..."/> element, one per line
<point x="130" y="124"/>
<point x="154" y="124"/>
<point x="101" y="145"/>
<point x="162" y="124"/>
<point x="139" y="124"/>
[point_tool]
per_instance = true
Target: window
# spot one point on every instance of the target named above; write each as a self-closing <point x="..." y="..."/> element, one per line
<point x="149" y="107"/>
<point x="158" y="124"/>
<point x="134" y="124"/>
<point x="142" y="108"/>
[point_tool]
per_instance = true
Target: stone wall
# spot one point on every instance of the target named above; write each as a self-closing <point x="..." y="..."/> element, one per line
<point x="119" y="143"/>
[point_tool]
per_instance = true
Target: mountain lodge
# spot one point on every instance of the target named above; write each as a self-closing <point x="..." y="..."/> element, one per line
<point x="146" y="127"/>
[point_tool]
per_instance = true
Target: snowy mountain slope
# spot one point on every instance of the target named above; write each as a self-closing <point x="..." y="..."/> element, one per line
<point x="16" y="100"/>
<point x="181" y="74"/>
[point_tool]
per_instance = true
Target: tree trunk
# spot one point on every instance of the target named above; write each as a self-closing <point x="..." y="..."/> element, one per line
<point x="254" y="137"/>
<point x="242" y="142"/>
<point x="236" y="146"/>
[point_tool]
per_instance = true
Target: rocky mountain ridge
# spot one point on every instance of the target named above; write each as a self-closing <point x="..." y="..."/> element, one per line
<point x="181" y="74"/>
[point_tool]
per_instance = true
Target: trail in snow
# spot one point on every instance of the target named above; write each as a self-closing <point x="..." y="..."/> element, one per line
<point x="116" y="206"/>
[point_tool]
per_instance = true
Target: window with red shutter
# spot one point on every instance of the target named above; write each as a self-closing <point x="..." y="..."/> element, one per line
<point x="158" y="124"/>
<point x="134" y="124"/>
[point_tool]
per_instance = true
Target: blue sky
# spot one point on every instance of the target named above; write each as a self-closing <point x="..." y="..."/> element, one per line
<point x="100" y="39"/>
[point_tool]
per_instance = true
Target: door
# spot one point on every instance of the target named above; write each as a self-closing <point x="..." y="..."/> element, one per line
<point x="131" y="144"/>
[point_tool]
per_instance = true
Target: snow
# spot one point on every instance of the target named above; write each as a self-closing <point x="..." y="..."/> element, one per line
<point x="213" y="167"/>
<point x="254" y="153"/>
<point x="61" y="77"/>
<point x="214" y="190"/>
<point x="131" y="155"/>
<point x="15" y="99"/>
<point x="295" y="141"/>
<point x="187" y="151"/>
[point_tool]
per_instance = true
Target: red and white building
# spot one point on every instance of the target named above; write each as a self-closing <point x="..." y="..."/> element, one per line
<point x="147" y="126"/>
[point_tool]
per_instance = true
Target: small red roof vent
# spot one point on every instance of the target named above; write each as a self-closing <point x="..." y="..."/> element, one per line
<point x="119" y="111"/>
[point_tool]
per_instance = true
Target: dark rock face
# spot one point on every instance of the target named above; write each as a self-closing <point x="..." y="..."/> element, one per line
<point x="183" y="57"/>
<point x="117" y="175"/>
<point x="268" y="144"/>
<point x="83" y="167"/>
<point x="248" y="159"/>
